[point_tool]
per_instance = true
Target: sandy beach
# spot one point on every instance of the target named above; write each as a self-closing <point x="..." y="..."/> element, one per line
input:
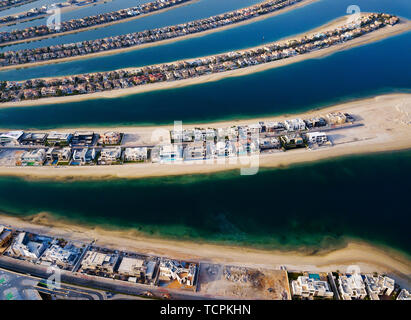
<point x="380" y="34"/>
<point x="158" y="43"/>
<point x="368" y="257"/>
<point x="386" y="127"/>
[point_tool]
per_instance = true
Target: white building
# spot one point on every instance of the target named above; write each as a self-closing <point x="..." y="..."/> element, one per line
<point x="171" y="152"/>
<point x="404" y="295"/>
<point x="11" y="137"/>
<point x="136" y="154"/>
<point x="307" y="287"/>
<point x="131" y="266"/>
<point x="173" y="270"/>
<point x="33" y="157"/>
<point x="57" y="138"/>
<point x="27" y="249"/>
<point x="377" y="286"/>
<point x="84" y="155"/>
<point x="61" y="256"/>
<point x="317" y="137"/>
<point x="294" y="125"/>
<point x="94" y="260"/>
<point x="351" y="286"/>
<point x="195" y="151"/>
<point x="109" y="155"/>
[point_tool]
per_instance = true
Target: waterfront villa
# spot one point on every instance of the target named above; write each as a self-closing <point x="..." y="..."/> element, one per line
<point x="317" y="137"/>
<point x="84" y="156"/>
<point x="110" y="156"/>
<point x="139" y="154"/>
<point x="32" y="158"/>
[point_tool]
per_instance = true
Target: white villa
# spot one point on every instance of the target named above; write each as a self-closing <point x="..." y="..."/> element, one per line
<point x="351" y="286"/>
<point x="136" y="154"/>
<point x="308" y="287"/>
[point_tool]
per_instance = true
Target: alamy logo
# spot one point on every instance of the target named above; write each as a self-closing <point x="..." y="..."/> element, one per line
<point x="200" y="146"/>
<point x="54" y="280"/>
<point x="354" y="12"/>
<point x="54" y="21"/>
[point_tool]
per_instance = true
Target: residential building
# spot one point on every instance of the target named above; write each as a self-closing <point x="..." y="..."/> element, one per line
<point x="98" y="261"/>
<point x="60" y="156"/>
<point x="110" y="155"/>
<point x="61" y="256"/>
<point x="195" y="151"/>
<point x="292" y="141"/>
<point x="132" y="267"/>
<point x="32" y="158"/>
<point x="110" y="138"/>
<point x="138" y="154"/>
<point x="5" y="236"/>
<point x="174" y="270"/>
<point x="378" y="285"/>
<point x="351" y="286"/>
<point x="24" y="246"/>
<point x="13" y="137"/>
<point x="84" y="155"/>
<point x="83" y="138"/>
<point x="334" y="118"/>
<point x="30" y="138"/>
<point x="171" y="152"/>
<point x="59" y="139"/>
<point x="404" y="295"/>
<point x="294" y="125"/>
<point x="317" y="137"/>
<point x="309" y="287"/>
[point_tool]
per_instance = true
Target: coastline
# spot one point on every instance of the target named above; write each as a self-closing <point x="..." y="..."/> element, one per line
<point x="386" y="120"/>
<point x="54" y="35"/>
<point x="62" y="10"/>
<point x="159" y="43"/>
<point x="403" y="26"/>
<point x="368" y="257"/>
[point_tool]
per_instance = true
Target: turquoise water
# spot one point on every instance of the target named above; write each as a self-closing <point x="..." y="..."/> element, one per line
<point x="301" y="86"/>
<point x="312" y="206"/>
<point x="355" y="73"/>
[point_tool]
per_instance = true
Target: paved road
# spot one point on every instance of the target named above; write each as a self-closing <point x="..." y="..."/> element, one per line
<point x="98" y="283"/>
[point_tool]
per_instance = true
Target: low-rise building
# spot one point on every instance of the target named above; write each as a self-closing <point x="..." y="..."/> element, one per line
<point x="5" y="236"/>
<point x="404" y="295"/>
<point x="32" y="158"/>
<point x="110" y="138"/>
<point x="138" y="154"/>
<point x="171" y="152"/>
<point x="27" y="246"/>
<point x="110" y="155"/>
<point x="98" y="261"/>
<point x="295" y="125"/>
<point x="132" y="267"/>
<point x="174" y="270"/>
<point x="195" y="151"/>
<point x="351" y="286"/>
<point x="309" y="287"/>
<point x="59" y="155"/>
<point x="63" y="257"/>
<point x="30" y="138"/>
<point x="378" y="285"/>
<point x="317" y="137"/>
<point x="84" y="156"/>
<point x="59" y="139"/>
<point x="292" y="141"/>
<point x="13" y="137"/>
<point x="83" y="138"/>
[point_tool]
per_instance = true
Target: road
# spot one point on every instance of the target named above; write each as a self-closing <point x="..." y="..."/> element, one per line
<point x="98" y="283"/>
